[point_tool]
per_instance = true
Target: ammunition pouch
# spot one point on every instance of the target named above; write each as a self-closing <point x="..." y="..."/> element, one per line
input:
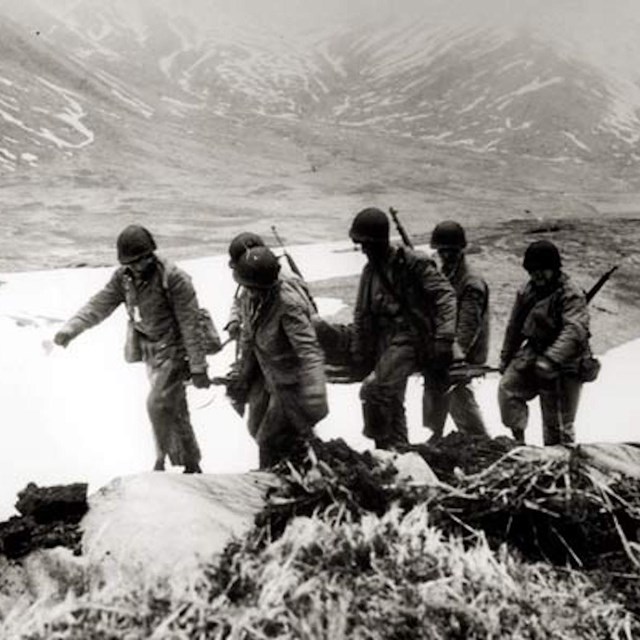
<point x="588" y="369"/>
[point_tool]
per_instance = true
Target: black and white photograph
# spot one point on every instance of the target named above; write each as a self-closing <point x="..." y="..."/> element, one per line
<point x="319" y="320"/>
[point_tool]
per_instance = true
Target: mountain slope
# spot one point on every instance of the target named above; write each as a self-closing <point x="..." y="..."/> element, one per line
<point x="547" y="83"/>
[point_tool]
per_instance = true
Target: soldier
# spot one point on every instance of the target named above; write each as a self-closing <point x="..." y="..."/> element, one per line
<point x="404" y="322"/>
<point x="164" y="332"/>
<point x="279" y="347"/>
<point x="472" y="334"/>
<point x="546" y="339"/>
<point x="257" y="396"/>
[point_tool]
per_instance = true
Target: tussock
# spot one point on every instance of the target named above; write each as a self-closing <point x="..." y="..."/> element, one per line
<point x="382" y="577"/>
<point x="340" y="552"/>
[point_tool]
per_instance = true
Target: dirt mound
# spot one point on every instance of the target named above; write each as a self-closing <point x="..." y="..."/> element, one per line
<point x="469" y="454"/>
<point x="50" y="518"/>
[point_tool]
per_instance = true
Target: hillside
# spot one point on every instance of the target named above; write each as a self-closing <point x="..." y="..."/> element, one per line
<point x="201" y="119"/>
<point x="517" y="543"/>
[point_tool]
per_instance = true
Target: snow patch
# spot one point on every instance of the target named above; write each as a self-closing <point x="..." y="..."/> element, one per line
<point x="78" y="414"/>
<point x="534" y="85"/>
<point x="576" y="141"/>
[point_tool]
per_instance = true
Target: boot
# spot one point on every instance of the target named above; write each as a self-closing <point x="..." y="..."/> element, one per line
<point x="159" y="465"/>
<point x="518" y="435"/>
<point x="192" y="467"/>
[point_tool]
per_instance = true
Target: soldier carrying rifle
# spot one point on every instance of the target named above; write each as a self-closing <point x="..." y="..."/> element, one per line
<point x="472" y="334"/>
<point x="546" y="350"/>
<point x="404" y="322"/>
<point x="280" y="372"/>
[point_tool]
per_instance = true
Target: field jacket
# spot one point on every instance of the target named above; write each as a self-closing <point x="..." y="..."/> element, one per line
<point x="421" y="307"/>
<point x="164" y="310"/>
<point x="472" y="317"/>
<point x="278" y="334"/>
<point x="554" y="324"/>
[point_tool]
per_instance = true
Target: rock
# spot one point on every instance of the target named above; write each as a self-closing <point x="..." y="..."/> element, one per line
<point x="162" y="525"/>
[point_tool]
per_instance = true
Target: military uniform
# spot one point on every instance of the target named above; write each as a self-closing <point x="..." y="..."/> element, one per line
<point x="404" y="305"/>
<point x="553" y="324"/>
<point x="164" y="313"/>
<point x="472" y="336"/>
<point x="282" y="356"/>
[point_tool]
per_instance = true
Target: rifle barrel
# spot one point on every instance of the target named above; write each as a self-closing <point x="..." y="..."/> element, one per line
<point x="399" y="226"/>
<point x="589" y="295"/>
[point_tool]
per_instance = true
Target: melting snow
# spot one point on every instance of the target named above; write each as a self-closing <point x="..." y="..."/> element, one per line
<point x="575" y="141"/>
<point x="78" y="413"/>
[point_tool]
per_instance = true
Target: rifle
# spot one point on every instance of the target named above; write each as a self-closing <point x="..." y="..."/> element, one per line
<point x="463" y="372"/>
<point x="225" y="381"/>
<point x="399" y="226"/>
<point x="589" y="295"/>
<point x="290" y="261"/>
<point x="292" y="264"/>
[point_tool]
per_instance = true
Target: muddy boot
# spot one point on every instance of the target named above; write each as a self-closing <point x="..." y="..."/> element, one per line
<point x="193" y="467"/>
<point x="159" y="465"/>
<point x="518" y="435"/>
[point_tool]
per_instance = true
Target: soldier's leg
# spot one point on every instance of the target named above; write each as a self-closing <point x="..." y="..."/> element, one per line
<point x="258" y="401"/>
<point x="559" y="405"/>
<point x="160" y="427"/>
<point x="435" y="407"/>
<point x="278" y="439"/>
<point x="382" y="394"/>
<point x="169" y="414"/>
<point x="516" y="388"/>
<point x="465" y="411"/>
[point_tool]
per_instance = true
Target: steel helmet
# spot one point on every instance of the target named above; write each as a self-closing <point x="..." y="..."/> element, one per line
<point x="257" y="268"/>
<point x="448" y="235"/>
<point x="370" y="225"/>
<point x="242" y="242"/>
<point x="133" y="243"/>
<point x="542" y="254"/>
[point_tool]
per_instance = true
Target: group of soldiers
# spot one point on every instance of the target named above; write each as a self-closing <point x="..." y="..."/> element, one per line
<point x="411" y="316"/>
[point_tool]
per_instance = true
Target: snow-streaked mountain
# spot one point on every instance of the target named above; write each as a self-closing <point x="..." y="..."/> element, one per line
<point x="556" y="79"/>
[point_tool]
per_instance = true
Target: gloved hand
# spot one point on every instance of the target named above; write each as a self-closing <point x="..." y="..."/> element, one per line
<point x="63" y="338"/>
<point x="237" y="390"/>
<point x="546" y="369"/>
<point x="233" y="329"/>
<point x="442" y="353"/>
<point x="200" y="380"/>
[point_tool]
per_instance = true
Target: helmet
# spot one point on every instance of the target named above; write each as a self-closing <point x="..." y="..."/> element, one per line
<point x="241" y="243"/>
<point x="370" y="225"/>
<point x="448" y="235"/>
<point x="134" y="242"/>
<point x="542" y="254"/>
<point x="257" y="268"/>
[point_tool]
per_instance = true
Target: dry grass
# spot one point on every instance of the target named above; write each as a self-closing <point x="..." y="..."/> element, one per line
<point x="330" y="577"/>
<point x="345" y="572"/>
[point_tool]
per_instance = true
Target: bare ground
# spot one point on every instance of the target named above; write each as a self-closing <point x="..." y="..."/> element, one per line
<point x="589" y="246"/>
